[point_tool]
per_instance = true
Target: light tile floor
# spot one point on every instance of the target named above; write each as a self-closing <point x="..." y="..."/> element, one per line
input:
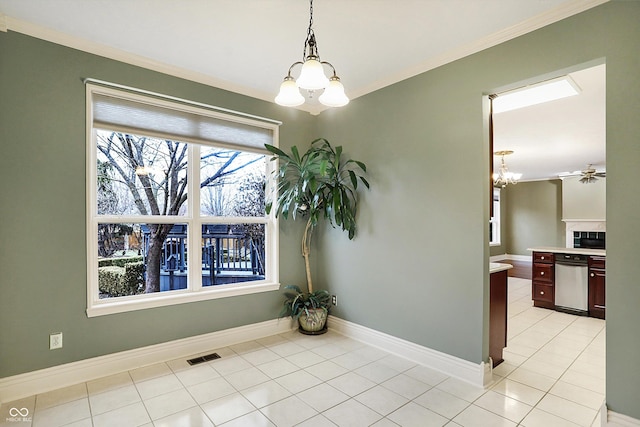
<point x="553" y="375"/>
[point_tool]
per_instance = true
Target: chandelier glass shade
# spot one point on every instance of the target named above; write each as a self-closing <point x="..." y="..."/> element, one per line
<point x="333" y="95"/>
<point x="504" y="177"/>
<point x="289" y="94"/>
<point x="312" y="77"/>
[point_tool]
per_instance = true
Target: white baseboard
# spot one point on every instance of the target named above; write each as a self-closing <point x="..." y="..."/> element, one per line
<point x="480" y="374"/>
<point x="43" y="380"/>
<point x="613" y="419"/>
<point x="497" y="258"/>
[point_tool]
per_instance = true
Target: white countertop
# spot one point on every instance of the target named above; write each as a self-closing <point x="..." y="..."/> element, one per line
<point x="578" y="251"/>
<point x="494" y="267"/>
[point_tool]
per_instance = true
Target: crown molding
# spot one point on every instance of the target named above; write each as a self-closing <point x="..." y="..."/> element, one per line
<point x="57" y="37"/>
<point x="564" y="11"/>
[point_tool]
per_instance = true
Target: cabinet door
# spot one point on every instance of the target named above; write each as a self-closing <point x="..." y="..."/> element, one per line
<point x="498" y="316"/>
<point x="597" y="293"/>
<point x="543" y="258"/>
<point x="543" y="273"/>
<point x="542" y="281"/>
<point x="543" y="292"/>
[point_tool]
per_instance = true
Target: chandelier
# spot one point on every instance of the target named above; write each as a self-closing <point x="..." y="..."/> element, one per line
<point x="504" y="177"/>
<point x="312" y="77"/>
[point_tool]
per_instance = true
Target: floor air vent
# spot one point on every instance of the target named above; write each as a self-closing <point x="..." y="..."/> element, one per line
<point x="202" y="359"/>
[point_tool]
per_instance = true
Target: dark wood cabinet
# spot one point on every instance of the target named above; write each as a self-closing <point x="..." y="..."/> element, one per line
<point x="543" y="294"/>
<point x="497" y="316"/>
<point x="543" y="283"/>
<point x="542" y="280"/>
<point x="597" y="286"/>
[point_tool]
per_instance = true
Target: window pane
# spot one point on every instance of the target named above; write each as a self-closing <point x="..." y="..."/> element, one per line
<point x="232" y="183"/>
<point x="141" y="258"/>
<point x="137" y="175"/>
<point x="232" y="253"/>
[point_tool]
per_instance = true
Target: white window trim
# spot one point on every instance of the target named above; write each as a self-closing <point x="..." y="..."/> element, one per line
<point x="195" y="291"/>
<point x="495" y="220"/>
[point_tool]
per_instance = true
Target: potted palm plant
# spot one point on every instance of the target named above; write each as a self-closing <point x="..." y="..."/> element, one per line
<point x="317" y="184"/>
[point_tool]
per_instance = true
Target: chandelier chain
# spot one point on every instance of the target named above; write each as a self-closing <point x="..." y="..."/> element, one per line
<point x="310" y="41"/>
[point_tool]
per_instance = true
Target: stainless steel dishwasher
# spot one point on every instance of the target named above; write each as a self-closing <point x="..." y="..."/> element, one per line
<point x="572" y="283"/>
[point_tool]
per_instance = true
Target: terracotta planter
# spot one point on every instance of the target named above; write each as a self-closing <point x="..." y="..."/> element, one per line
<point x="315" y="322"/>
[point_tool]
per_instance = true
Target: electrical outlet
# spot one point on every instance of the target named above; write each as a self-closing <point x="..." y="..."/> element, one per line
<point x="55" y="341"/>
<point x="334" y="299"/>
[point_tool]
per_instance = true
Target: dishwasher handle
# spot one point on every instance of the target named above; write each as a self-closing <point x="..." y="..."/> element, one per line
<point x="572" y="259"/>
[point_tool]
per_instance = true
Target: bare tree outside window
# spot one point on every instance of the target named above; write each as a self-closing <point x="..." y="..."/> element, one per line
<point x="139" y="175"/>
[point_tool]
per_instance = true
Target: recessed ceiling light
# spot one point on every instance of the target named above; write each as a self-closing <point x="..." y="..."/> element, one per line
<point x="550" y="90"/>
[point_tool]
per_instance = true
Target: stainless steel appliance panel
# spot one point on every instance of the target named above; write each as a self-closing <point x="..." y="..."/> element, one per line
<point x="572" y="287"/>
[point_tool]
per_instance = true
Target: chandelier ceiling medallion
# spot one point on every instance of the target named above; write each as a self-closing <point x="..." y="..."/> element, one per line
<point x="504" y="177"/>
<point x="312" y="77"/>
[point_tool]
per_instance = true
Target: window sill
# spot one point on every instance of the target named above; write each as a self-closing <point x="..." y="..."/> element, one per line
<point x="141" y="302"/>
<point x="495" y="244"/>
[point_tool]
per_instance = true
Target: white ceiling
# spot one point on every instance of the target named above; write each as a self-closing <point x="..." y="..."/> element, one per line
<point x="247" y="46"/>
<point x="558" y="136"/>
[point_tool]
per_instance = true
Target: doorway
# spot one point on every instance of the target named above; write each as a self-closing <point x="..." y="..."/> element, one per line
<point x="565" y="361"/>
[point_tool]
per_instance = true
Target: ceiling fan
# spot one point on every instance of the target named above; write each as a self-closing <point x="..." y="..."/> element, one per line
<point x="590" y="174"/>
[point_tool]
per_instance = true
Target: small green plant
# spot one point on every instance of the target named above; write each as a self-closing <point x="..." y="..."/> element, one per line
<point x="298" y="302"/>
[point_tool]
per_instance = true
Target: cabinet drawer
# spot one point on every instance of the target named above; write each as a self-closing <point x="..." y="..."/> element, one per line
<point x="542" y="273"/>
<point x="542" y="292"/>
<point x="543" y="258"/>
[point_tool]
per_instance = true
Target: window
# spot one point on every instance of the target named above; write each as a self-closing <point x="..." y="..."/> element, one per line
<point x="494" y="222"/>
<point x="176" y="197"/>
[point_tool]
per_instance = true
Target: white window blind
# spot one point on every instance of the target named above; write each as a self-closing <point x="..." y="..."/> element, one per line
<point x="147" y="115"/>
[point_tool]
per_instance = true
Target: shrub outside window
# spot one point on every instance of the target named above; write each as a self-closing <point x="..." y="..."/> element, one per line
<point x="173" y="216"/>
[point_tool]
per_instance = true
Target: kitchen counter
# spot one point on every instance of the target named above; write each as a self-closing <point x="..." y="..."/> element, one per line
<point x="495" y="267"/>
<point x="577" y="251"/>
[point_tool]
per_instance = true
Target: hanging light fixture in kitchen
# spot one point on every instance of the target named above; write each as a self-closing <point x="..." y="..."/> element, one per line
<point x="504" y="177"/>
<point x="312" y="77"/>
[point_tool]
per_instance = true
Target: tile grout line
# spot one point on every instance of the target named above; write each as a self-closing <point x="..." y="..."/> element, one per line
<point x="396" y="373"/>
<point x="548" y="392"/>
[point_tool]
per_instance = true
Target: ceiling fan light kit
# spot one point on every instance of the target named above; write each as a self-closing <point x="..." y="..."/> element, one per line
<point x="590" y="175"/>
<point x="587" y="176"/>
<point x="312" y="77"/>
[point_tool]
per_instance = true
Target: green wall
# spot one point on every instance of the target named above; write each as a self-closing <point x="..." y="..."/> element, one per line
<point x="424" y="224"/>
<point x="417" y="269"/>
<point x="534" y="216"/>
<point x="622" y="37"/>
<point x="42" y="213"/>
